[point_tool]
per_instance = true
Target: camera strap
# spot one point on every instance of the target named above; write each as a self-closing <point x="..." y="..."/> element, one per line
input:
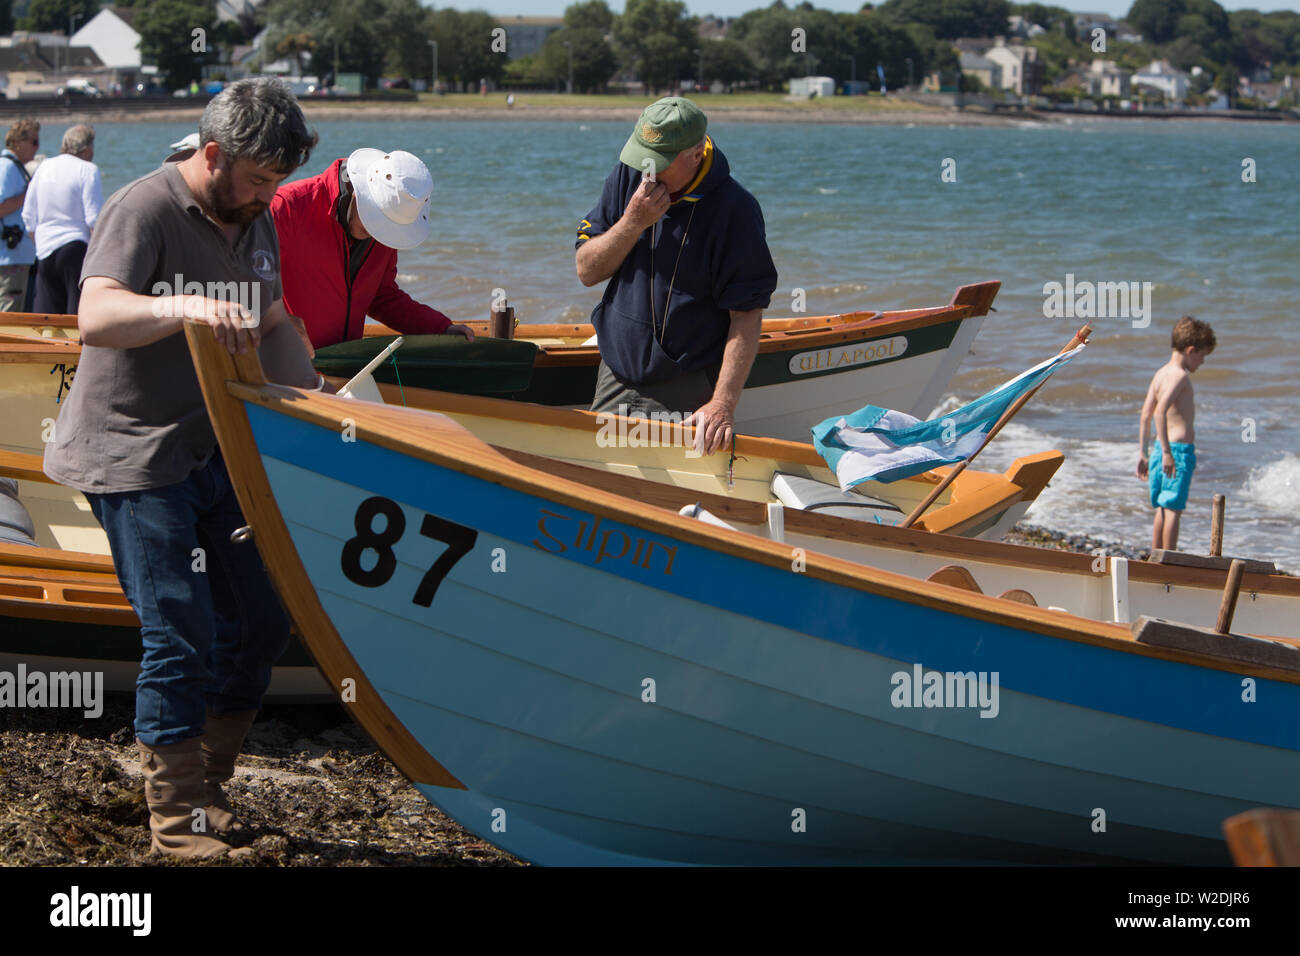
<point x="27" y="177"/>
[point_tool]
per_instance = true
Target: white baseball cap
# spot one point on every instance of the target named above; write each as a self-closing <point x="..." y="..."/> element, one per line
<point x="189" y="142"/>
<point x="392" y="191"/>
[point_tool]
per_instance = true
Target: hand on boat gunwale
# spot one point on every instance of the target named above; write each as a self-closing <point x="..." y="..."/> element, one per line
<point x="464" y="330"/>
<point x="714" y="426"/>
<point x="232" y="324"/>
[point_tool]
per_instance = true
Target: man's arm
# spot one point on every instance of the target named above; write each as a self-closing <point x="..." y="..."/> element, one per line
<point x="92" y="198"/>
<point x="31" y="210"/>
<point x="13" y="187"/>
<point x="13" y="203"/>
<point x="397" y="310"/>
<point x="1144" y="429"/>
<point x="715" y="421"/>
<point x="112" y="316"/>
<point x="600" y="256"/>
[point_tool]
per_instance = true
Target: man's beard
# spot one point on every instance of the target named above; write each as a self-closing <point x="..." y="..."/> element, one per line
<point x="220" y="199"/>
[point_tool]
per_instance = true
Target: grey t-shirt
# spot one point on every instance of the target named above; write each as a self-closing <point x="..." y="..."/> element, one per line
<point x="135" y="419"/>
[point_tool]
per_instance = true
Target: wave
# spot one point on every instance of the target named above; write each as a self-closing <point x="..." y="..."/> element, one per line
<point x="1275" y="487"/>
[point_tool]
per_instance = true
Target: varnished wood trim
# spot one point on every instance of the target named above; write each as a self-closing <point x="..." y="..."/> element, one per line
<point x="1264" y="837"/>
<point x="37" y="353"/>
<point x="1019" y="594"/>
<point x="955" y="576"/>
<point x="25" y="556"/>
<point x="215" y="366"/>
<point x="93" y="615"/>
<point x="38" y="318"/>
<point x="24" y="467"/>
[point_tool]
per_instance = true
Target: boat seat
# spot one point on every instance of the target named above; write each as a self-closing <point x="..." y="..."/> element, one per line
<point x="954" y="575"/>
<point x="1022" y="597"/>
<point x="809" y="494"/>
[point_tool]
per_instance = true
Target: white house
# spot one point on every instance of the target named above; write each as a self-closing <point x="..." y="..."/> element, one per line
<point x="1104" y="78"/>
<point x="110" y="34"/>
<point x="1021" y="71"/>
<point x="983" y="69"/>
<point x="1167" y="80"/>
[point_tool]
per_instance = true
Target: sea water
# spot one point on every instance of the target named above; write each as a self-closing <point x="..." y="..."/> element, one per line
<point x="861" y="217"/>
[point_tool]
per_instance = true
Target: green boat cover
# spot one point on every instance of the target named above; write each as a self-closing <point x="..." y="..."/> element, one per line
<point x="449" y="363"/>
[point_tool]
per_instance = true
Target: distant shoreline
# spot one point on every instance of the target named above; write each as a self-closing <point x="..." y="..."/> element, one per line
<point x="897" y="116"/>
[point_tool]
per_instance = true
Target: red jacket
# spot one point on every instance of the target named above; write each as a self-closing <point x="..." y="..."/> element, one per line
<point x="315" y="262"/>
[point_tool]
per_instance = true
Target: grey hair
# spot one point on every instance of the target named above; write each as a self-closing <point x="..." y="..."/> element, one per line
<point x="258" y="119"/>
<point x="77" y="138"/>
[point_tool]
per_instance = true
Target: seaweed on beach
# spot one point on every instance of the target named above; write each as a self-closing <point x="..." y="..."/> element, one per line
<point x="310" y="786"/>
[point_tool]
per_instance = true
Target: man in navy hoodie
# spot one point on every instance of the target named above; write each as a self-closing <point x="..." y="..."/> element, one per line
<point x="685" y="250"/>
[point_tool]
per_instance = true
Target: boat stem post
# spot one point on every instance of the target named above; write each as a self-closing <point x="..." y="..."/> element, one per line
<point x="1228" y="606"/>
<point x="1216" y="526"/>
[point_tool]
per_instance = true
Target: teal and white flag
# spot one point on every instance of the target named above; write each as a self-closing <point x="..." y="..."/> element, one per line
<point x="879" y="444"/>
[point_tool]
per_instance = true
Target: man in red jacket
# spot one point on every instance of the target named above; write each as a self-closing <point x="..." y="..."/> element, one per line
<point x="339" y="235"/>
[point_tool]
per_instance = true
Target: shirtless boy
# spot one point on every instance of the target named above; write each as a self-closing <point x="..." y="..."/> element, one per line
<point x="1169" y="400"/>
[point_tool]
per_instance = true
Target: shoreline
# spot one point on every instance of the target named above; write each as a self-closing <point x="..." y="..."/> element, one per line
<point x="920" y="115"/>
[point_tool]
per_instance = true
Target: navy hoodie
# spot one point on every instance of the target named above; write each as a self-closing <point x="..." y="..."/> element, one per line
<point x="717" y="227"/>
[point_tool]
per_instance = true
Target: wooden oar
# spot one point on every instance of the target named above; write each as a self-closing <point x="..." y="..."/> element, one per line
<point x="1080" y="338"/>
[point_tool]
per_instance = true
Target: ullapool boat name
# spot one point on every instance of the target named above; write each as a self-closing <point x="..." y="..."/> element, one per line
<point x="56" y="689"/>
<point x="856" y="353"/>
<point x="946" y="689"/>
<point x="614" y="544"/>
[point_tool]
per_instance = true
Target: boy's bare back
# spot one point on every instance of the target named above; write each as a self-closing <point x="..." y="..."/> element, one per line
<point x="1170" y="394"/>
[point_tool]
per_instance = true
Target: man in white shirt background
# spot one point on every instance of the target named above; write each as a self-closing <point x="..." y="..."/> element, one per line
<point x="62" y="204"/>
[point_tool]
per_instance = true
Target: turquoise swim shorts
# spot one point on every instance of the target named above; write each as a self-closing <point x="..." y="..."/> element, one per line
<point x="1169" y="492"/>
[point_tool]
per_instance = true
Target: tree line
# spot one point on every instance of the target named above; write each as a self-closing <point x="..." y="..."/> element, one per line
<point x="661" y="44"/>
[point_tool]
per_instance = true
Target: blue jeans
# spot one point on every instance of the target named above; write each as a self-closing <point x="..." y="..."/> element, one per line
<point x="210" y="633"/>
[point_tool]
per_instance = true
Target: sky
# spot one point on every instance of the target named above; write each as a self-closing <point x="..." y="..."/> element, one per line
<point x="733" y="8"/>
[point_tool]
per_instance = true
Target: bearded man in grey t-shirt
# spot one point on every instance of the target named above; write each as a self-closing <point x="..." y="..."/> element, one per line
<point x="192" y="239"/>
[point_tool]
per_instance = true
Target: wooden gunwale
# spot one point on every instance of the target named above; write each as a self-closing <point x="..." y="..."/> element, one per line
<point x="558" y="356"/>
<point x="54" y="558"/>
<point x="396" y="430"/>
<point x="770" y="340"/>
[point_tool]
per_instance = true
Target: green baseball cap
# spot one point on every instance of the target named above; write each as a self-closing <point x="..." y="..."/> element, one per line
<point x="666" y="128"/>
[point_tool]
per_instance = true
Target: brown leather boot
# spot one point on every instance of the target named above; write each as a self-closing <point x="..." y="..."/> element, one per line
<point x="173" y="788"/>
<point x="223" y="736"/>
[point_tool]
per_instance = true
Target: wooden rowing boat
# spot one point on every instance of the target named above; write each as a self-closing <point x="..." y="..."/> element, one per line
<point x="581" y="676"/>
<point x="807" y="368"/>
